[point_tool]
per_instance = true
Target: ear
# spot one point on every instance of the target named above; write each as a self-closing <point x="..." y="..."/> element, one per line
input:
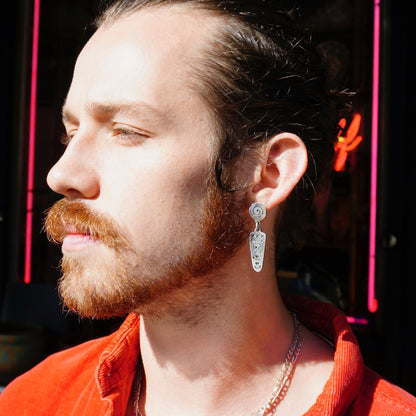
<point x="284" y="163"/>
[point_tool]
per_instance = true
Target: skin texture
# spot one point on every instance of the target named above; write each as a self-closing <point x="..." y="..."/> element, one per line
<point x="213" y="344"/>
<point x="127" y="143"/>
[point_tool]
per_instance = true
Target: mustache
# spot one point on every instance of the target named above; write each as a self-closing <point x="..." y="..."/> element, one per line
<point x="67" y="217"/>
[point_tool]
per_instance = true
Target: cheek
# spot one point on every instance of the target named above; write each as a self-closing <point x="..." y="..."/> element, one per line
<point x="155" y="194"/>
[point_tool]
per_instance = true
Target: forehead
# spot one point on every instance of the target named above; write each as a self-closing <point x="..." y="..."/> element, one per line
<point x="150" y="54"/>
<point x="182" y="23"/>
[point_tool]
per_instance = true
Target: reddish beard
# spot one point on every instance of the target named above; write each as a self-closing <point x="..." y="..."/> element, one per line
<point x="94" y="286"/>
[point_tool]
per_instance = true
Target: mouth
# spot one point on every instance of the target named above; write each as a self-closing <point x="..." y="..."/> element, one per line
<point x="75" y="240"/>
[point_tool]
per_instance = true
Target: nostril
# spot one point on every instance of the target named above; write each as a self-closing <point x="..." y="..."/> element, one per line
<point x="73" y="194"/>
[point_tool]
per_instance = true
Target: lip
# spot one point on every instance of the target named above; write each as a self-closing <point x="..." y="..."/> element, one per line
<point x="77" y="241"/>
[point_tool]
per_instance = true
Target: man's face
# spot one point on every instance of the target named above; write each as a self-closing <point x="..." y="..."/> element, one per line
<point x="136" y="222"/>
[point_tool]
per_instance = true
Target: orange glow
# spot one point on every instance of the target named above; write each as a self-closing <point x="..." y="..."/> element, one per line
<point x="347" y="143"/>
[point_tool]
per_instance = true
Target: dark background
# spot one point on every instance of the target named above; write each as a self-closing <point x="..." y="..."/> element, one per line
<point x="389" y="338"/>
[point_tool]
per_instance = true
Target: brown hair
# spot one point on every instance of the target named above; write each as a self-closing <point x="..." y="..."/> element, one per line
<point x="265" y="78"/>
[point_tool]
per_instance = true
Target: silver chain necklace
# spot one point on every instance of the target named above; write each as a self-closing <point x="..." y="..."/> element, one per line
<point x="281" y="387"/>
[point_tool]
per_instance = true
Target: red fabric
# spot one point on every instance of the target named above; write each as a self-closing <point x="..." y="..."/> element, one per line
<point x="91" y="379"/>
<point x="352" y="389"/>
<point x="95" y="378"/>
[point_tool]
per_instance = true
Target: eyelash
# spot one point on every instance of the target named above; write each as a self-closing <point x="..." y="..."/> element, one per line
<point x="129" y="136"/>
<point x="65" y="139"/>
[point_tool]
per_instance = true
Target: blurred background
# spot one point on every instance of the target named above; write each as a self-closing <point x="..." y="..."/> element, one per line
<point x="359" y="257"/>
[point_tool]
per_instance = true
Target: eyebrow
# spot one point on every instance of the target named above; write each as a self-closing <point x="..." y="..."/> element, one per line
<point x="97" y="109"/>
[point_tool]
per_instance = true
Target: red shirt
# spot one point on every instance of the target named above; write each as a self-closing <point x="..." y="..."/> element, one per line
<point x="95" y="378"/>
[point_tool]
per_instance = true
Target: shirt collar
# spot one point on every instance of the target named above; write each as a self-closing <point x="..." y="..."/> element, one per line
<point x="118" y="362"/>
<point x="347" y="374"/>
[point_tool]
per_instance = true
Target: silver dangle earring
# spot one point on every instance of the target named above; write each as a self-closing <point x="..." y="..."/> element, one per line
<point x="257" y="211"/>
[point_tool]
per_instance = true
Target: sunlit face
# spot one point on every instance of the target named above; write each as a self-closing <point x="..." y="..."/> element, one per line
<point x="140" y="149"/>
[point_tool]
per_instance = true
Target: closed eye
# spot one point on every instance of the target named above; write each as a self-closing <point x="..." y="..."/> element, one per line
<point x="126" y="135"/>
<point x="130" y="136"/>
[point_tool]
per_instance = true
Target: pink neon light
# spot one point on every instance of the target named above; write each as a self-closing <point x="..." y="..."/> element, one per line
<point x="372" y="303"/>
<point x="357" y="321"/>
<point x="32" y="141"/>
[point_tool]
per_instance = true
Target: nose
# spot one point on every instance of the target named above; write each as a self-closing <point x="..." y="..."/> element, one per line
<point x="75" y="174"/>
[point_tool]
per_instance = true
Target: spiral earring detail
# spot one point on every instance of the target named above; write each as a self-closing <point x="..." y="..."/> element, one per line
<point x="257" y="211"/>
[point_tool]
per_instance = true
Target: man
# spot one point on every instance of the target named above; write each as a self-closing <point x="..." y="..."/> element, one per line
<point x="186" y="122"/>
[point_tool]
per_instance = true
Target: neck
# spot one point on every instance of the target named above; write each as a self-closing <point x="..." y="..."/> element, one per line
<point x="210" y="363"/>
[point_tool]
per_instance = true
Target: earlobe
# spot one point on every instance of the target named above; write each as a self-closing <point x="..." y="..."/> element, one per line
<point x="283" y="165"/>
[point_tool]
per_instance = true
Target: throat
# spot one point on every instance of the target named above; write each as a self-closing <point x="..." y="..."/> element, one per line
<point x="223" y="387"/>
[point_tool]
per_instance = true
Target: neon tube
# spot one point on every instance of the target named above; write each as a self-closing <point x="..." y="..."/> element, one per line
<point x="32" y="141"/>
<point x="357" y="321"/>
<point x="372" y="303"/>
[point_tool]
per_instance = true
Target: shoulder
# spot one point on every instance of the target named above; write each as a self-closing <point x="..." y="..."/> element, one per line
<point x="377" y="397"/>
<point x="55" y="375"/>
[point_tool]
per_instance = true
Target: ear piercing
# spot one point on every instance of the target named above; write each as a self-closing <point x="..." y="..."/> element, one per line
<point x="257" y="211"/>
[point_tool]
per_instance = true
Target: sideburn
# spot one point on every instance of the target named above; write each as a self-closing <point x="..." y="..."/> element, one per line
<point x="225" y="225"/>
